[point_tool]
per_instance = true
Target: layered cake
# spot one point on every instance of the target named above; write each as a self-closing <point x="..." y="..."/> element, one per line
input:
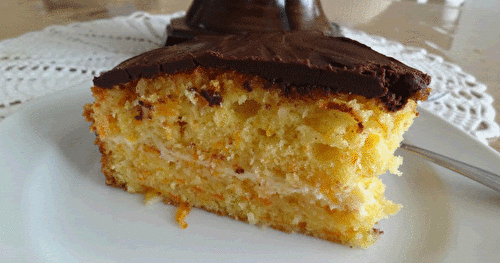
<point x="289" y="130"/>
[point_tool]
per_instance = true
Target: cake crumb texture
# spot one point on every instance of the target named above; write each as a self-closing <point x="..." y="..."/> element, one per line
<point x="228" y="143"/>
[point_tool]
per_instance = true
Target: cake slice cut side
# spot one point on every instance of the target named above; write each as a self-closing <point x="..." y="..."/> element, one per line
<point x="240" y="145"/>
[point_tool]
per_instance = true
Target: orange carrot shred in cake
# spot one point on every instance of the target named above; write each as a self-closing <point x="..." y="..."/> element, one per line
<point x="182" y="212"/>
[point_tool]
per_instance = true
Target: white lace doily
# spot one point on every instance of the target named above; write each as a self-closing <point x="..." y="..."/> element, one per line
<point x="59" y="57"/>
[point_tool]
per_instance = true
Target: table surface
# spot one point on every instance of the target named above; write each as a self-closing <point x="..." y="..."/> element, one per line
<point x="464" y="32"/>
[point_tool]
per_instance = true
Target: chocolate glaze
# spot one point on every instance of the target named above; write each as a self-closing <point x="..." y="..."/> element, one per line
<point x="302" y="62"/>
<point x="246" y="16"/>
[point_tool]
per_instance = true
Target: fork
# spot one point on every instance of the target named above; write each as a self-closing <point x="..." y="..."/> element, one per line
<point x="477" y="174"/>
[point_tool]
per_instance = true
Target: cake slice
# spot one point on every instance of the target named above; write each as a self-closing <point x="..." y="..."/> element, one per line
<point x="287" y="130"/>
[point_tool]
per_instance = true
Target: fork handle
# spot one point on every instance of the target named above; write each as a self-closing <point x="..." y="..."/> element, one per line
<point x="477" y="174"/>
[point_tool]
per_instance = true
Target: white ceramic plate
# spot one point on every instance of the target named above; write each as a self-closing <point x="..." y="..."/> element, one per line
<point x="55" y="206"/>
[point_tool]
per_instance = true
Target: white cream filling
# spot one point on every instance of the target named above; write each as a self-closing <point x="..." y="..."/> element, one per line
<point x="269" y="186"/>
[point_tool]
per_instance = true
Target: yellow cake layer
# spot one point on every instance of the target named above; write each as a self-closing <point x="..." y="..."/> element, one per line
<point x="235" y="145"/>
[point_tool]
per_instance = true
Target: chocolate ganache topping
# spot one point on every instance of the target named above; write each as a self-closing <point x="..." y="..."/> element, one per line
<point x="303" y="60"/>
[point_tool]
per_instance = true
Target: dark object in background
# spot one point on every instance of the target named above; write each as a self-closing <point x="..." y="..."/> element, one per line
<point x="242" y="16"/>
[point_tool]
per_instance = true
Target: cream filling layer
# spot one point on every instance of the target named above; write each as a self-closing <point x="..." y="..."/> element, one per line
<point x="348" y="199"/>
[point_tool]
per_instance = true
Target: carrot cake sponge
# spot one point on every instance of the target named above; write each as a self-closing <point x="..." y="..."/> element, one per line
<point x="287" y="130"/>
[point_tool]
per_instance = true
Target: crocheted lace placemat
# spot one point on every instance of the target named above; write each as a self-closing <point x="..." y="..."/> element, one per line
<point x="61" y="57"/>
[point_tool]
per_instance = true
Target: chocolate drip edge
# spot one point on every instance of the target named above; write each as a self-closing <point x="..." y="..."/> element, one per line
<point x="302" y="60"/>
